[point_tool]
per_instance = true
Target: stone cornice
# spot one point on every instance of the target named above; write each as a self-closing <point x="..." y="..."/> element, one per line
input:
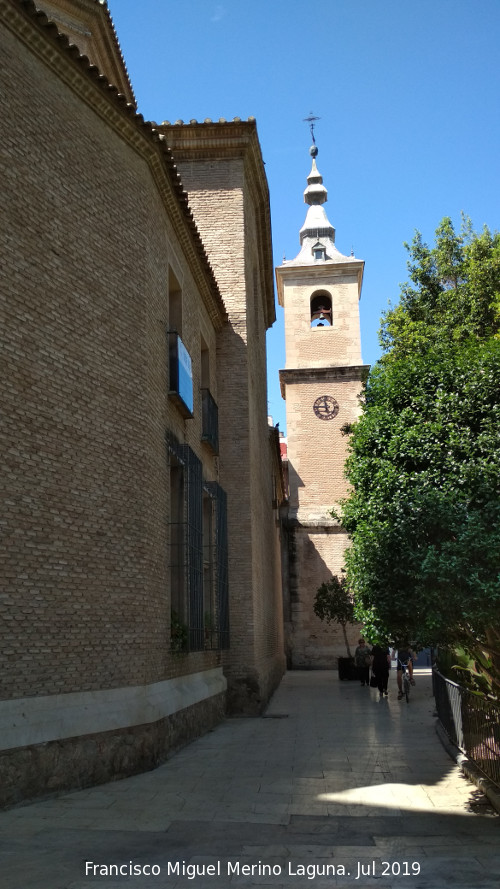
<point x="232" y="139"/>
<point x="315" y="274"/>
<point x="202" y="140"/>
<point x="319" y="525"/>
<point x="344" y="373"/>
<point x="42" y="37"/>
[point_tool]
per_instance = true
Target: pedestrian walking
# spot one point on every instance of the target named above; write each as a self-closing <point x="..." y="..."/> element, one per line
<point x="362" y="659"/>
<point x="381" y="664"/>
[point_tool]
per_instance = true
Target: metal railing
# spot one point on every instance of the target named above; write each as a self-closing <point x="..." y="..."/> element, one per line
<point x="471" y="722"/>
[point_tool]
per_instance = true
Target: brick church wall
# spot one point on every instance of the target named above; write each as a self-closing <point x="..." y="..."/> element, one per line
<point x="85" y="600"/>
<point x="223" y="199"/>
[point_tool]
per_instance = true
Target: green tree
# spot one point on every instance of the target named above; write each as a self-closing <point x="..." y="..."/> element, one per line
<point x="334" y="602"/>
<point x="453" y="294"/>
<point x="424" y="465"/>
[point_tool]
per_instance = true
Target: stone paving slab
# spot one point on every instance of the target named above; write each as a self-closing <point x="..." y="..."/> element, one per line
<point x="345" y="791"/>
<point x="274" y="846"/>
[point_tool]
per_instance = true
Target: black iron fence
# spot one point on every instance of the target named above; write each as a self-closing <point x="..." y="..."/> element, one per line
<point x="471" y="722"/>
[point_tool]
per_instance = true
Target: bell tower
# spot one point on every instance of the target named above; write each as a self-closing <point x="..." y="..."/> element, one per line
<point x="321" y="383"/>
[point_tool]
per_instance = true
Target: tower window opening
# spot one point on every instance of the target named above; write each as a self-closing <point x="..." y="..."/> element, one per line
<point x="319" y="251"/>
<point x="321" y="310"/>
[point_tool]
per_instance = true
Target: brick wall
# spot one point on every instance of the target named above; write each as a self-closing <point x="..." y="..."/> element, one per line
<point x="84" y="602"/>
<point x="317" y="449"/>
<point x="321" y="346"/>
<point x="318" y="553"/>
<point x="222" y="193"/>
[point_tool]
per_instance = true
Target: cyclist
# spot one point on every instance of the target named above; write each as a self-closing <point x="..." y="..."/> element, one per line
<point x="405" y="657"/>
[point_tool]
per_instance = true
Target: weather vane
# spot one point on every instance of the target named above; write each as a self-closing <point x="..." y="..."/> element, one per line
<point x="311" y="120"/>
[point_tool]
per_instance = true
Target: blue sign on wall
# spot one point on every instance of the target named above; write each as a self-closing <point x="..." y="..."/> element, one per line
<point x="181" y="375"/>
<point x="185" y="375"/>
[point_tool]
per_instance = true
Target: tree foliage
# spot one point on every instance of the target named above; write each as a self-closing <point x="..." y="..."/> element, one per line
<point x="424" y="464"/>
<point x="453" y="294"/>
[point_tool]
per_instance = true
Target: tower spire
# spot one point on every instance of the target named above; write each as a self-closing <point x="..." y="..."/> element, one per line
<point x="317" y="235"/>
<point x="315" y="192"/>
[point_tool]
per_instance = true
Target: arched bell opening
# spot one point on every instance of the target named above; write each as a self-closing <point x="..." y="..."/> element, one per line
<point x="321" y="309"/>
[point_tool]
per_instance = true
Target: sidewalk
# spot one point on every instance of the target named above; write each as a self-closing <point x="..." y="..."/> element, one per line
<point x="332" y="787"/>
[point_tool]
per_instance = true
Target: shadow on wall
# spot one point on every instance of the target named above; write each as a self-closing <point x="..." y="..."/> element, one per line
<point x="255" y="662"/>
<point x="315" y="553"/>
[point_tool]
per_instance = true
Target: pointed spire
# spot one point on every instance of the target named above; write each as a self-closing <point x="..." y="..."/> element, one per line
<point x="315" y="192"/>
<point x="317" y="226"/>
<point x="317" y="235"/>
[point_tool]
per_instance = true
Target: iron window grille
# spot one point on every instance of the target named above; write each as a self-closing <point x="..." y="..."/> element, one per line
<point x="202" y="620"/>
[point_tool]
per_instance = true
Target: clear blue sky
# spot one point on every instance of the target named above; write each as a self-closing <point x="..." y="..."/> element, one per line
<point x="408" y="95"/>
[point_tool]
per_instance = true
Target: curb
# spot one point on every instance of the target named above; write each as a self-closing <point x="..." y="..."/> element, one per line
<point x="469" y="768"/>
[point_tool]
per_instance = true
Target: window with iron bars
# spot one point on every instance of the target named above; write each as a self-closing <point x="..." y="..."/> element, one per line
<point x="198" y="555"/>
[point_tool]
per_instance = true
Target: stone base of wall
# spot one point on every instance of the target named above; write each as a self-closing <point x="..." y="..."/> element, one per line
<point x="249" y="695"/>
<point x="43" y="770"/>
<point x="273" y="677"/>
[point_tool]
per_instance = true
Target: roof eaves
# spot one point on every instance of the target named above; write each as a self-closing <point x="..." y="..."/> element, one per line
<point x="147" y="129"/>
<point x="105" y="7"/>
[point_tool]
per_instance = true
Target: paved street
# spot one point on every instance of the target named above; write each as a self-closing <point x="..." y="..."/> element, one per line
<point x="332" y="787"/>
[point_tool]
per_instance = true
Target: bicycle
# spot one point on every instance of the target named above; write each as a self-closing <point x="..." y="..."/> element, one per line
<point x="406" y="680"/>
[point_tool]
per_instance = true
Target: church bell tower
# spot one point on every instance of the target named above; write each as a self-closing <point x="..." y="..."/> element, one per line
<point x="321" y="383"/>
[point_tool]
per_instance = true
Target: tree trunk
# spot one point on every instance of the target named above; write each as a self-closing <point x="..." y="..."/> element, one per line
<point x="346" y="640"/>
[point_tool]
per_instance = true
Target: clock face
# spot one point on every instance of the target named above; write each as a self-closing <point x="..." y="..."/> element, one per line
<point x="325" y="407"/>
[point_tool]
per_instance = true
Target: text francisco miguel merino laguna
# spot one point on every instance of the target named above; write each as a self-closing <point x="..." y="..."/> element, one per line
<point x="236" y="868"/>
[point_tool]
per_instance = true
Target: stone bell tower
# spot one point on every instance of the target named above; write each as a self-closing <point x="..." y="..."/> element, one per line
<point x="322" y="380"/>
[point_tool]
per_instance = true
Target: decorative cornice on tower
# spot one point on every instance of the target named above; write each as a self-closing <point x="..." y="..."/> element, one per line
<point x="346" y="373"/>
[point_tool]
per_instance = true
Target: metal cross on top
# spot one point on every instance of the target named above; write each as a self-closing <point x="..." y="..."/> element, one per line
<point x="311" y="120"/>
